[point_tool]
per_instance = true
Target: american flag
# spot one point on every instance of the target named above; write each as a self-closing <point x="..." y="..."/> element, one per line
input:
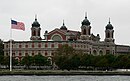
<point x="17" y="25"/>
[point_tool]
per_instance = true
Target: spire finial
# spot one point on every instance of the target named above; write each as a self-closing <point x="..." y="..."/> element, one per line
<point x="85" y="14"/>
<point x="63" y="27"/>
<point x="35" y="17"/>
<point x="109" y="20"/>
<point x="63" y="22"/>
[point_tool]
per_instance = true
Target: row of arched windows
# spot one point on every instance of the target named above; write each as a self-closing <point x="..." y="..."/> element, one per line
<point x="32" y="54"/>
<point x="101" y="52"/>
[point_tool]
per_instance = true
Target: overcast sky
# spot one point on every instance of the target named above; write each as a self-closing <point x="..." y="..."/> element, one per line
<point x="50" y="14"/>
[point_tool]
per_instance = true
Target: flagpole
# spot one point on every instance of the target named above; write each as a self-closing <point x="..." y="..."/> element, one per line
<point x="10" y="49"/>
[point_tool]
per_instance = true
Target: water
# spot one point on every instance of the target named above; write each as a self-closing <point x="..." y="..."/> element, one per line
<point x="64" y="78"/>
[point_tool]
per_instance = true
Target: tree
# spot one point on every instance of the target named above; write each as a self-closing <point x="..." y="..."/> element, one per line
<point x="40" y="60"/>
<point x="128" y="62"/>
<point x="14" y="61"/>
<point x="6" y="61"/>
<point x="75" y="61"/>
<point x="1" y="52"/>
<point x="27" y="61"/>
<point x="103" y="63"/>
<point x="1" y="48"/>
<point x="120" y="61"/>
<point x="66" y="58"/>
<point x="111" y="59"/>
<point x="60" y="61"/>
<point x="1" y="59"/>
<point x="89" y="61"/>
<point x="65" y="50"/>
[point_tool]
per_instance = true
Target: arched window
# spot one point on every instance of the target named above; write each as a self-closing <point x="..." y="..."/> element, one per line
<point x="56" y="38"/>
<point x="39" y="45"/>
<point x="100" y="52"/>
<point x="112" y="34"/>
<point x="32" y="45"/>
<point x="20" y="54"/>
<point x="59" y="45"/>
<point x="46" y="45"/>
<point x="94" y="52"/>
<point x="6" y="46"/>
<point x="26" y="54"/>
<point x="107" y="51"/>
<point x="89" y="31"/>
<point x="84" y="31"/>
<point x="32" y="54"/>
<point x="39" y="33"/>
<point x="26" y="46"/>
<point x="13" y="54"/>
<point x="46" y="53"/>
<point x="7" y="54"/>
<point x="34" y="32"/>
<point x="20" y="46"/>
<point x="52" y="54"/>
<point x="108" y="35"/>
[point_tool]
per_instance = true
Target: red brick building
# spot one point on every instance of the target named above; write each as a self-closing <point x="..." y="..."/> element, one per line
<point x="80" y="40"/>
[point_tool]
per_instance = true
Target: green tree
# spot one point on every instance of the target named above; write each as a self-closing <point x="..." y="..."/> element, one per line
<point x="66" y="58"/>
<point x="68" y="62"/>
<point x="1" y="59"/>
<point x="14" y="61"/>
<point x="111" y="59"/>
<point x="120" y="61"/>
<point x="75" y="61"/>
<point x="27" y="61"/>
<point x="65" y="50"/>
<point x="1" y="47"/>
<point x="6" y="61"/>
<point x="60" y="61"/>
<point x="128" y="62"/>
<point x="103" y="63"/>
<point x="89" y="61"/>
<point x="83" y="60"/>
<point x="40" y="60"/>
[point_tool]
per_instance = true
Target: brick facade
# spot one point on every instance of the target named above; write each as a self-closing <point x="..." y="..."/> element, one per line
<point x="82" y="40"/>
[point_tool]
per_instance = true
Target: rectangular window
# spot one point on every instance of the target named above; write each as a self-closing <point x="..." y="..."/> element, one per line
<point x="52" y="45"/>
<point x="46" y="45"/>
<point x="46" y="53"/>
<point x="26" y="46"/>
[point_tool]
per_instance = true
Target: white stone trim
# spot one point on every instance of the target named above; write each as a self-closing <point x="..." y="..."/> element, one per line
<point x="56" y="34"/>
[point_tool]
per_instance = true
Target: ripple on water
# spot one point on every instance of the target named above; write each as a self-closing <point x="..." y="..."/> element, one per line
<point x="65" y="78"/>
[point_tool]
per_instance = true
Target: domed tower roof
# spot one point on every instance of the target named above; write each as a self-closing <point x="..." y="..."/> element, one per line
<point x="35" y="23"/>
<point x="63" y="27"/>
<point x="86" y="21"/>
<point x="109" y="25"/>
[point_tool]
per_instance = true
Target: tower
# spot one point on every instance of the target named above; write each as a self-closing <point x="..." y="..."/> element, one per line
<point x="85" y="29"/>
<point x="35" y="30"/>
<point x="63" y="27"/>
<point x="109" y="33"/>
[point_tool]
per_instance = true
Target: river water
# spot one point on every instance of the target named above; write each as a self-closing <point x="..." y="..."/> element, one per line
<point x="65" y="78"/>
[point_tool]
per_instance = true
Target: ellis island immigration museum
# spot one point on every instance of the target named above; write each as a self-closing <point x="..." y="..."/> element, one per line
<point x="81" y="40"/>
<point x="65" y="40"/>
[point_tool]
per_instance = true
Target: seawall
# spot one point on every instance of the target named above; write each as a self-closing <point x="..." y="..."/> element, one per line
<point x="59" y="72"/>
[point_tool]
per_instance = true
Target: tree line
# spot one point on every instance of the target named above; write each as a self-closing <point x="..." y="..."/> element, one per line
<point x="68" y="58"/>
<point x="27" y="61"/>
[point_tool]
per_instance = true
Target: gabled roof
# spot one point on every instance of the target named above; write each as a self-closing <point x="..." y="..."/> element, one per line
<point x="65" y="31"/>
